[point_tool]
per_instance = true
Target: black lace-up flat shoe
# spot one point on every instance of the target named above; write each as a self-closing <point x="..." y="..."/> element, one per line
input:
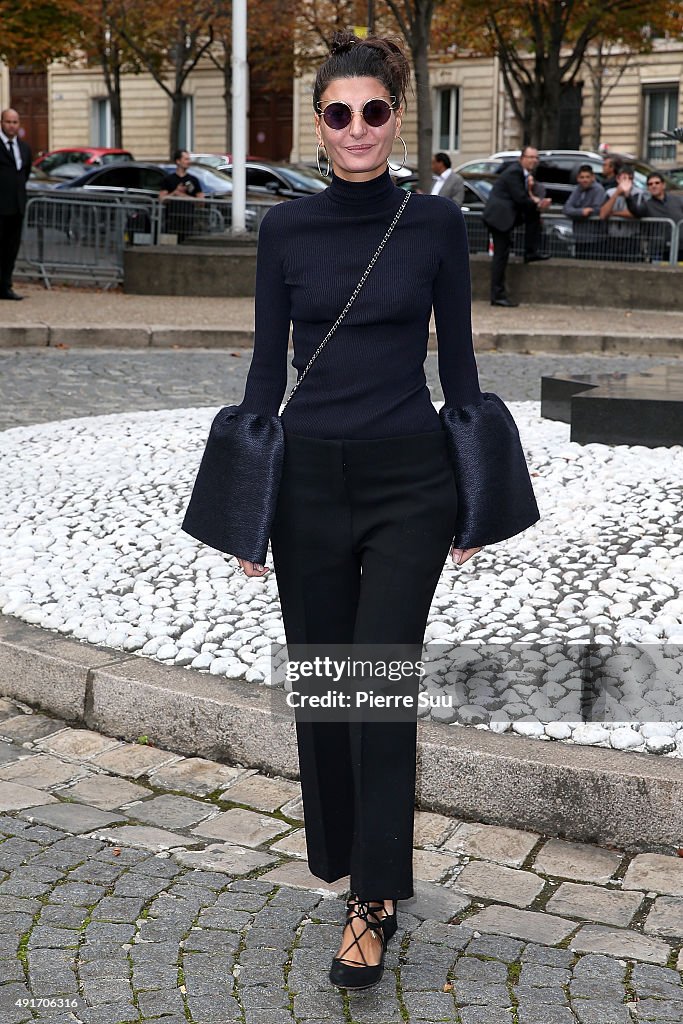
<point x="361" y="917"/>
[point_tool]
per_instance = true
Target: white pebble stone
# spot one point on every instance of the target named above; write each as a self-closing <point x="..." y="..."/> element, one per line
<point x="153" y="645"/>
<point x="625" y="739"/>
<point x="531" y="728"/>
<point x="558" y="730"/>
<point x="203" y="660"/>
<point x="167" y="652"/>
<point x="185" y="656"/>
<point x="590" y="733"/>
<point x="660" y="744"/>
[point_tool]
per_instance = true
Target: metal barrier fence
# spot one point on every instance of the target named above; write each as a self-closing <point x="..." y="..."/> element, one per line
<point x="615" y="240"/>
<point x="81" y="235"/>
<point x="190" y="219"/>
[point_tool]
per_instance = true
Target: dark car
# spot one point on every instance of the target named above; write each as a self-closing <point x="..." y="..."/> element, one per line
<point x="477" y="189"/>
<point x="557" y="229"/>
<point x="283" y="181"/>
<point x="136" y="184"/>
<point x="38" y="180"/>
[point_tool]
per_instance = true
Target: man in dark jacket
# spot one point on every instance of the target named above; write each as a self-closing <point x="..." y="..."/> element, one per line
<point x="515" y="199"/>
<point x="662" y="206"/>
<point x="15" y="167"/>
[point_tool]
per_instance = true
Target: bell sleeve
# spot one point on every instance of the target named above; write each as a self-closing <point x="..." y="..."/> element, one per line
<point x="232" y="505"/>
<point x="495" y="497"/>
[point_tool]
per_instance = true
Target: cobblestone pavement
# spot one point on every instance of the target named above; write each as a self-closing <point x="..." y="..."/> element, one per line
<point x="42" y="384"/>
<point x="138" y="885"/>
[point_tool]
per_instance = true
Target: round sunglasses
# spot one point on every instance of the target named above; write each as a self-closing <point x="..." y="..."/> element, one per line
<point x="375" y="112"/>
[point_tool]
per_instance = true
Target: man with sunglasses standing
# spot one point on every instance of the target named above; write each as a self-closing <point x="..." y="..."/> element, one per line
<point x="515" y="198"/>
<point x="661" y="206"/>
<point x="15" y="167"/>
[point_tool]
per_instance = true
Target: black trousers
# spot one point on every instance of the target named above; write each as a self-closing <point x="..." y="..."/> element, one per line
<point x="502" y="241"/>
<point x="361" y="534"/>
<point x="10" y="240"/>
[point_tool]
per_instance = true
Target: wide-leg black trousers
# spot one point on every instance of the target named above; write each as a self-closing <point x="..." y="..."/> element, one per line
<point x="361" y="534"/>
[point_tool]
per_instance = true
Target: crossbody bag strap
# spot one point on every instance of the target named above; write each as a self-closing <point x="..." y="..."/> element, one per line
<point x="351" y="301"/>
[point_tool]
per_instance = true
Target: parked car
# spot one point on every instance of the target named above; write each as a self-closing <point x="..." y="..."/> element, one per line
<point x="557" y="169"/>
<point x="675" y="174"/>
<point x="558" y="237"/>
<point x="476" y="190"/>
<point x="139" y="182"/>
<point x="284" y="181"/>
<point x="490" y="166"/>
<point x="38" y="180"/>
<point x="72" y="162"/>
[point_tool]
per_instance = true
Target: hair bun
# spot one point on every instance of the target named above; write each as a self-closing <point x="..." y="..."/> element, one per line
<point x="342" y="42"/>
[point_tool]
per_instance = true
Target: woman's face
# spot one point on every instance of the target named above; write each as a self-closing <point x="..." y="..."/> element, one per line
<point x="357" y="152"/>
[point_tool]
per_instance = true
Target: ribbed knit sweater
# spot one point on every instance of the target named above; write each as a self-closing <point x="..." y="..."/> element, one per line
<point x="369" y="381"/>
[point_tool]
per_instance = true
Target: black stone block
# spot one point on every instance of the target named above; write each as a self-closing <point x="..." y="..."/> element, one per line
<point x="618" y="408"/>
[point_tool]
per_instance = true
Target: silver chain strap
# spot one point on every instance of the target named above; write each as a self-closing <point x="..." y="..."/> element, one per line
<point x="351" y="301"/>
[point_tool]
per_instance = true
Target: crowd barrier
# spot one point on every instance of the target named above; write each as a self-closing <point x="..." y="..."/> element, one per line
<point x="81" y="236"/>
<point x="615" y="240"/>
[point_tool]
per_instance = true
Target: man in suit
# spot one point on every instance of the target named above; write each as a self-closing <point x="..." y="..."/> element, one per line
<point x="514" y="199"/>
<point x="15" y="167"/>
<point x="447" y="184"/>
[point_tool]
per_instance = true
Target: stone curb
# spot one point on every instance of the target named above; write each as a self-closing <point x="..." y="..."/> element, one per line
<point x="164" y="336"/>
<point x="588" y="794"/>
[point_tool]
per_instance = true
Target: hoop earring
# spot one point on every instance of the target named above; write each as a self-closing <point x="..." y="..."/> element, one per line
<point x="405" y="157"/>
<point x="325" y="174"/>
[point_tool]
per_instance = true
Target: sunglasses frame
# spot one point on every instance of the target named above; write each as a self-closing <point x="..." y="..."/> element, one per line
<point x="373" y="99"/>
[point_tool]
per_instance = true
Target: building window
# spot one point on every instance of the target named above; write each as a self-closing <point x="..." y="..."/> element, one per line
<point x="186" y="129"/>
<point x="661" y="111"/>
<point x="447" y="119"/>
<point x="102" y="123"/>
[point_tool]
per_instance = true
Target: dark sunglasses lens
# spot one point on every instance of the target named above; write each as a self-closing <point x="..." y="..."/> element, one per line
<point x="376" y="113"/>
<point x="337" y="116"/>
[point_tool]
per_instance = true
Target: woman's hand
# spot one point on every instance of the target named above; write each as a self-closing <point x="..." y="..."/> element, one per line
<point x="252" y="568"/>
<point x="460" y="555"/>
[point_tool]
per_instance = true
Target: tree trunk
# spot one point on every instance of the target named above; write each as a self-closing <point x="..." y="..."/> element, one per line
<point x="423" y="94"/>
<point x="550" y="93"/>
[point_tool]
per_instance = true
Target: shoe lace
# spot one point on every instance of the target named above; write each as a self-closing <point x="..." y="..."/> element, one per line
<point x="365" y="911"/>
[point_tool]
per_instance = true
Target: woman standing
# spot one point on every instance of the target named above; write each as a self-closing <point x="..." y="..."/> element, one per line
<point x="375" y="486"/>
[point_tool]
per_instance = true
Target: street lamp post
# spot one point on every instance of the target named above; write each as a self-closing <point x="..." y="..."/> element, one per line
<point x="240" y="81"/>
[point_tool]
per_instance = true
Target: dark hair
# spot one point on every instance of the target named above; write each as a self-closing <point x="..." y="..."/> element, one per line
<point x="585" y="168"/>
<point x="443" y="158"/>
<point x="372" y="57"/>
<point x="616" y="162"/>
<point x="625" y="169"/>
<point x="177" y="153"/>
<point x="654" y="174"/>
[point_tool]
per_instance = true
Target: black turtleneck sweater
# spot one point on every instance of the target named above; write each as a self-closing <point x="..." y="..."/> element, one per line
<point x="368" y="382"/>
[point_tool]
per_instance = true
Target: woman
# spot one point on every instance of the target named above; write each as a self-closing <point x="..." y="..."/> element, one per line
<point x="376" y="487"/>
